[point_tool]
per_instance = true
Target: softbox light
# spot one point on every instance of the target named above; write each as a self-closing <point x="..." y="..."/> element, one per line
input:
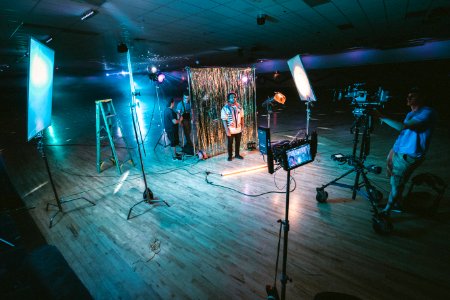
<point x="301" y="79"/>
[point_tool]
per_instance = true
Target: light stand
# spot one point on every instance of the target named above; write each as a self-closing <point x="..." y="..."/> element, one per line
<point x="162" y="141"/>
<point x="147" y="195"/>
<point x="308" y="115"/>
<point x="59" y="202"/>
<point x="278" y="97"/>
<point x="272" y="292"/>
<point x="269" y="110"/>
<point x="134" y="102"/>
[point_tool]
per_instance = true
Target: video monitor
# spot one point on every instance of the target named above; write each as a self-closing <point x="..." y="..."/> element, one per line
<point x="301" y="79"/>
<point x="40" y="88"/>
<point x="298" y="156"/>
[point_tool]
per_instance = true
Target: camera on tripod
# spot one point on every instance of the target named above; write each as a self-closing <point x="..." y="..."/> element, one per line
<point x="362" y="101"/>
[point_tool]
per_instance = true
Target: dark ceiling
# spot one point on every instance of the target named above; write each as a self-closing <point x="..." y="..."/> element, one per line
<point x="176" y="33"/>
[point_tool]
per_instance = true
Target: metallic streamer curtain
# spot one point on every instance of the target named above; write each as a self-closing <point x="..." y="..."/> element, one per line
<point x="209" y="88"/>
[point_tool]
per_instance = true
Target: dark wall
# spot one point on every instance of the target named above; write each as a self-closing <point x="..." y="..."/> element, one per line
<point x="71" y="92"/>
<point x="432" y="76"/>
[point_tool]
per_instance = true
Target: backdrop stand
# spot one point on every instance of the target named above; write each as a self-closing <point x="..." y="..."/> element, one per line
<point x="208" y="89"/>
<point x="192" y="109"/>
<point x="59" y="202"/>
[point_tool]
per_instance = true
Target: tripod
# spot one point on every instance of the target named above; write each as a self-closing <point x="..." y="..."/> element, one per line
<point x="363" y="122"/>
<point x="162" y="141"/>
<point x="59" y="202"/>
<point x="272" y="292"/>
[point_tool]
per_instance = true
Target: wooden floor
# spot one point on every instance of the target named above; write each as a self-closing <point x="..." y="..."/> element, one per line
<point x="218" y="239"/>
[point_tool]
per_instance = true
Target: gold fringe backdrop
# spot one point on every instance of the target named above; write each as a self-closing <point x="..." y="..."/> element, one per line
<point x="209" y="88"/>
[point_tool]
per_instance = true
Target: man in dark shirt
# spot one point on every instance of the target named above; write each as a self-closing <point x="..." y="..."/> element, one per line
<point x="184" y="110"/>
<point x="171" y="126"/>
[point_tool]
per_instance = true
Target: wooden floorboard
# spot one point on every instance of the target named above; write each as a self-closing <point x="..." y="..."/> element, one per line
<point x="219" y="241"/>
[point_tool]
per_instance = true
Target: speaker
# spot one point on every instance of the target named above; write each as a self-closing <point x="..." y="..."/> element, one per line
<point x="264" y="139"/>
<point x="265" y="146"/>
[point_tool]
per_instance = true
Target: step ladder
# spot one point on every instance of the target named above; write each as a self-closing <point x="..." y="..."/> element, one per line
<point x="109" y="127"/>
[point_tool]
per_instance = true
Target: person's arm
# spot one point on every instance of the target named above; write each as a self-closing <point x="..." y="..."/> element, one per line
<point x="412" y="123"/>
<point x="242" y="118"/>
<point x="177" y="121"/>
<point x="389" y="163"/>
<point x="420" y="121"/>
<point x="224" y="117"/>
<point x="392" y="123"/>
<point x="224" y="122"/>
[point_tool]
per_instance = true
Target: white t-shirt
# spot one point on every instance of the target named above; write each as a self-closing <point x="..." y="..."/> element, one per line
<point x="232" y="114"/>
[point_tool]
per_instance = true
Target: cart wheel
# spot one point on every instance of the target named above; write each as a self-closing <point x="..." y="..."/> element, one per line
<point x="382" y="225"/>
<point x="321" y="196"/>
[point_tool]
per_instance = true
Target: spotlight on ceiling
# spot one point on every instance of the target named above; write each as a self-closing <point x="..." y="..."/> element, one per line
<point x="261" y="19"/>
<point x="88" y="14"/>
<point x="153" y="69"/>
<point x="122" y="48"/>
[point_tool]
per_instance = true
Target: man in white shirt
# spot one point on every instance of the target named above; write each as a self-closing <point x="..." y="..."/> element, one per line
<point x="232" y="116"/>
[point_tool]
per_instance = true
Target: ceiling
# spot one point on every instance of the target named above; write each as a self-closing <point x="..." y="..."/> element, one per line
<point x="176" y="33"/>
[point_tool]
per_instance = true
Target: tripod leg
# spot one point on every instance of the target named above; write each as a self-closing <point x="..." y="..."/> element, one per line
<point x="381" y="223"/>
<point x="158" y="142"/>
<point x="337" y="179"/>
<point x="356" y="184"/>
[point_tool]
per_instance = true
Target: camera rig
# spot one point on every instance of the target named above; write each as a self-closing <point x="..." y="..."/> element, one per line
<point x="362" y="101"/>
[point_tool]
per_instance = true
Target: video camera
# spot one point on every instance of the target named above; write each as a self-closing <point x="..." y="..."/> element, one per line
<point x="363" y="101"/>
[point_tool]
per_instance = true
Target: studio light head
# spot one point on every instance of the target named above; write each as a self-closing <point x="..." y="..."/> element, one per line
<point x="261" y="19"/>
<point x="158" y="77"/>
<point x="122" y="48"/>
